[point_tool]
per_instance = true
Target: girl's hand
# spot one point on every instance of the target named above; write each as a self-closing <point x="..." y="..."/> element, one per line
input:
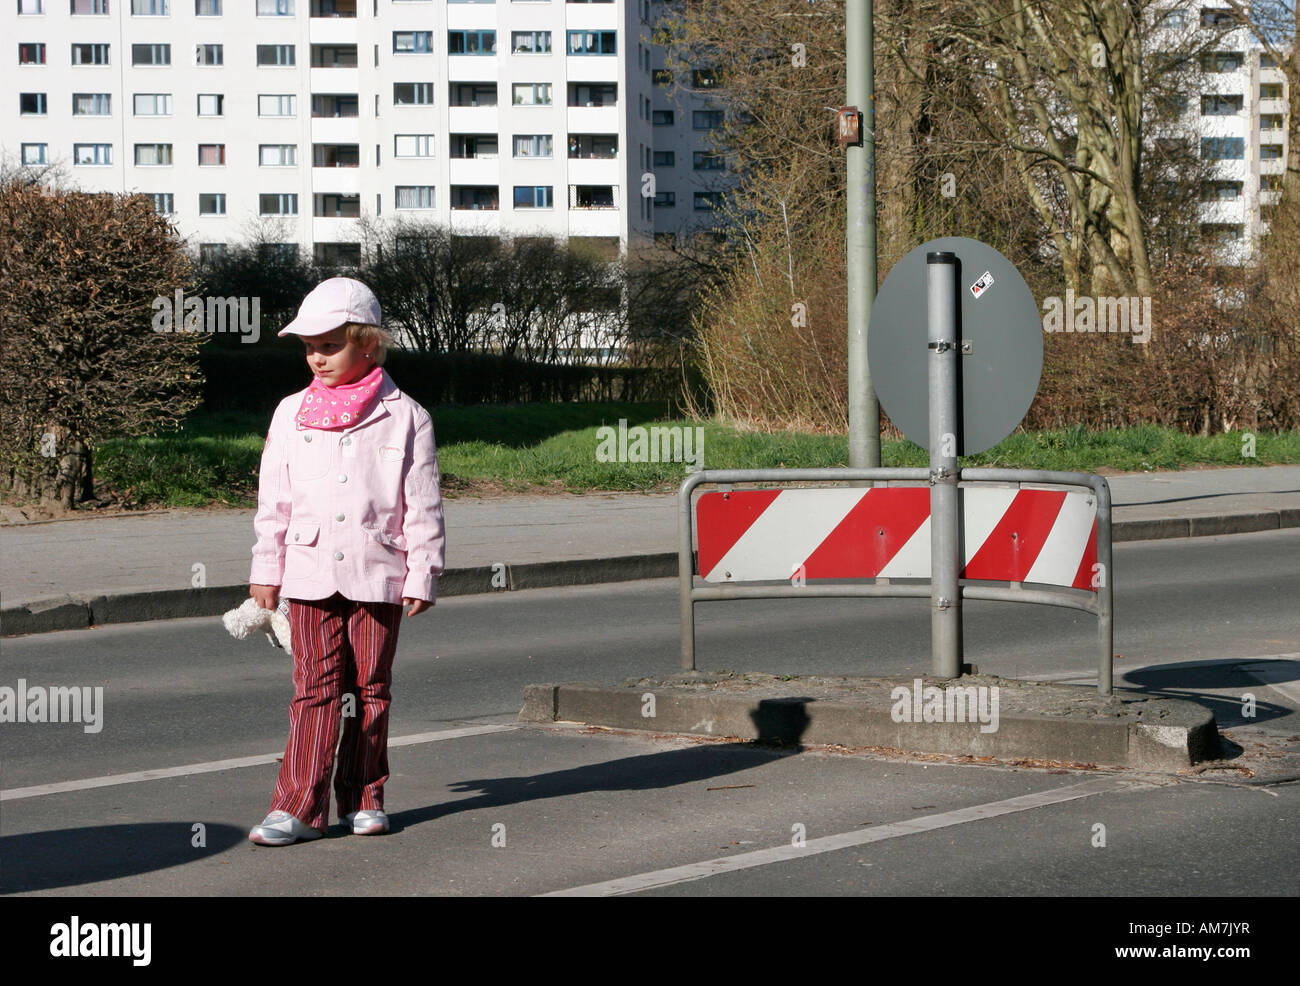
<point x="267" y="596"/>
<point x="417" y="605"/>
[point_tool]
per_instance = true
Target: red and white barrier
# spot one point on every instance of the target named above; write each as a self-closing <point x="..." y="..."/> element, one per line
<point x="1009" y="535"/>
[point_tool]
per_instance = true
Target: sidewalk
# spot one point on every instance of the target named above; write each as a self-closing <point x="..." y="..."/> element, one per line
<point x="62" y="574"/>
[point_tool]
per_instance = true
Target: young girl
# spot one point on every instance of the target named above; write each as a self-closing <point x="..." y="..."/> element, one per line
<point x="349" y="530"/>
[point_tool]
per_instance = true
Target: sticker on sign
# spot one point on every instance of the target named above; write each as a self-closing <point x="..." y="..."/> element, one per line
<point x="982" y="285"/>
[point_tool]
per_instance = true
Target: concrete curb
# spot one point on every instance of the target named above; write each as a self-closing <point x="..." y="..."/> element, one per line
<point x="1064" y="724"/>
<point x="68" y="613"/>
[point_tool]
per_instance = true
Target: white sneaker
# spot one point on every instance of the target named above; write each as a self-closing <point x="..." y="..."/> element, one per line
<point x="367" y="822"/>
<point x="279" y="828"/>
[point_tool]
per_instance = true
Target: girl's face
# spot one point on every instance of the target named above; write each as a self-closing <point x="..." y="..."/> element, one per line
<point x="335" y="359"/>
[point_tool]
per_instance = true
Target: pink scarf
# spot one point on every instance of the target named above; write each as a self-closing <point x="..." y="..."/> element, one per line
<point x="338" y="407"/>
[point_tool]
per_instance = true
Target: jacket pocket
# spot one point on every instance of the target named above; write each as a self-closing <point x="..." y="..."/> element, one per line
<point x="386" y="538"/>
<point x="302" y="533"/>
<point x="301" y="548"/>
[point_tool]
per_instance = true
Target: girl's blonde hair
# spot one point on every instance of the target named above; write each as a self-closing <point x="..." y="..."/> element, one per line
<point x="364" y="335"/>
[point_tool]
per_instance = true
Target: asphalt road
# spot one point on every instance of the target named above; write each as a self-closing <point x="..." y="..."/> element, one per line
<point x="483" y="805"/>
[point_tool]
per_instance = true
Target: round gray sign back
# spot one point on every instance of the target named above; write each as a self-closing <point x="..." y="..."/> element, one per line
<point x="996" y="314"/>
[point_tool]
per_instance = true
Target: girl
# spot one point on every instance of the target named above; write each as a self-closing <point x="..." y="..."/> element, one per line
<point x="349" y="530"/>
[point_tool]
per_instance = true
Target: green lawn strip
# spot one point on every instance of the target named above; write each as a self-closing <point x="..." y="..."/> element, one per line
<point x="527" y="447"/>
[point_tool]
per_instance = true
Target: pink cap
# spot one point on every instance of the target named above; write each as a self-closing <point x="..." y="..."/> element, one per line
<point x="332" y="303"/>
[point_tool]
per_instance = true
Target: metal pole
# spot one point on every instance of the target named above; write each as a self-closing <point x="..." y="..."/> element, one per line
<point x="860" y="244"/>
<point x="945" y="593"/>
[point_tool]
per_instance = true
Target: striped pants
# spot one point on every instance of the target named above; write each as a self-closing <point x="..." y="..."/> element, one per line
<point x="340" y="648"/>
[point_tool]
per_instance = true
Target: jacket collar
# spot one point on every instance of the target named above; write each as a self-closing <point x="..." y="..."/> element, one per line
<point x="388" y="392"/>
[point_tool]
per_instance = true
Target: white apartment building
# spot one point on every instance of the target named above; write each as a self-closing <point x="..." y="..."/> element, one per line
<point x="1239" y="119"/>
<point x="491" y="116"/>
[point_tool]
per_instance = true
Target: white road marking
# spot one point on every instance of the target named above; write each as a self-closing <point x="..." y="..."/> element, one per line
<point x="62" y="787"/>
<point x="847" y="840"/>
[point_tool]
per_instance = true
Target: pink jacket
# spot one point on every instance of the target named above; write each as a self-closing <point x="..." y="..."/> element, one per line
<point x="357" y="511"/>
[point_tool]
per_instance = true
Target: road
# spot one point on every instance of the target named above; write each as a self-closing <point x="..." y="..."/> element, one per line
<point x="484" y="805"/>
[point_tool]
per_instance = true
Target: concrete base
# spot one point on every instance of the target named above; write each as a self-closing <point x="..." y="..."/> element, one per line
<point x="1027" y="720"/>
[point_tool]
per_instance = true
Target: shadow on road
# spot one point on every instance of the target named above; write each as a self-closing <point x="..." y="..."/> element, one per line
<point x="1192" y="680"/>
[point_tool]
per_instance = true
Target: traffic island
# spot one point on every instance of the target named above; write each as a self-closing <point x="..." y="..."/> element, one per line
<point x="975" y="715"/>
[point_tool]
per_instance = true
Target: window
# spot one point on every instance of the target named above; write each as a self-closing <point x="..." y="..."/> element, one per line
<point x="591" y="197"/>
<point x="1220" y="105"/>
<point x="593" y="146"/>
<point x="664" y="159"/>
<point x="473" y="146"/>
<point x="153" y="155"/>
<point x="661" y="118"/>
<point x="707" y="201"/>
<point x="534" y="145"/>
<point x="530" y="94"/>
<point x="473" y="94"/>
<point x="703" y="161"/>
<point x="276" y="55"/>
<point x="471" y="42"/>
<point x="31" y="54"/>
<point x="413" y="196"/>
<point x="1267" y="183"/>
<point x="152" y="104"/>
<point x="80" y="7"/>
<point x="211" y="252"/>
<point x="92" y="153"/>
<point x="704" y="78"/>
<point x="92" y="54"/>
<point x="665" y="200"/>
<point x="277" y="155"/>
<point x="334" y="56"/>
<point x="32" y="103"/>
<point x="277" y="204"/>
<point x="412" y="42"/>
<point x="31" y="7"/>
<point x="534" y="196"/>
<point x="35" y="153"/>
<point x="211" y="104"/>
<point x="706" y="119"/>
<point x="208" y="55"/>
<point x="1270" y="121"/>
<point x="1222" y="148"/>
<point x="1216" y="18"/>
<point x="1268" y="152"/>
<point x="593" y="94"/>
<point x="211" y="155"/>
<point x="475" y="197"/>
<point x="1171" y="103"/>
<point x="1221" y="61"/>
<point x="164" y="203"/>
<point x="530" y="42"/>
<point x="277" y="252"/>
<point x="1222" y="233"/>
<point x="91" y="104"/>
<point x="661" y="77"/>
<point x="1270" y="90"/>
<point x="274" y="8"/>
<point x="413" y="145"/>
<point x="212" y="203"/>
<point x="336" y="206"/>
<point x="336" y="105"/>
<point x="412" y="93"/>
<point x="1173" y="18"/>
<point x="151" y="8"/>
<point x="335" y="155"/>
<point x="1220" y="191"/>
<point x="207" y="8"/>
<point x="593" y="42"/>
<point x="151" y="54"/>
<point x="1267" y="61"/>
<point x="276" y="105"/>
<point x="338" y="254"/>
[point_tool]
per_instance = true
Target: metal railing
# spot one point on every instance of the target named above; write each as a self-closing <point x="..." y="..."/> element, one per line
<point x="1098" y="603"/>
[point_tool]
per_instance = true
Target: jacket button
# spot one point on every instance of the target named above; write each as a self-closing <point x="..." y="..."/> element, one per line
<point x="338" y="556"/>
<point x="338" y="516"/>
<point x="342" y="478"/>
<point x="347" y="440"/>
<point x="297" y="537"/>
<point x="306" y="438"/>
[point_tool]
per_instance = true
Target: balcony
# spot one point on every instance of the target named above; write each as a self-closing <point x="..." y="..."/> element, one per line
<point x="475" y="198"/>
<point x="479" y="147"/>
<point x="335" y="156"/>
<point x="332" y="205"/>
<point x="593" y="196"/>
<point x="333" y="56"/>
<point x="472" y="94"/>
<point x="333" y="105"/>
<point x="602" y="147"/>
<point x="334" y="8"/>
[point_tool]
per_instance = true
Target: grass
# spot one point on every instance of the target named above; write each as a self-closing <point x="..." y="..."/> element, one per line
<point x="530" y="448"/>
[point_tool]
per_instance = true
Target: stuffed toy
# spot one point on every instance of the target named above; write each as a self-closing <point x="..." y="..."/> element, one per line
<point x="250" y="617"/>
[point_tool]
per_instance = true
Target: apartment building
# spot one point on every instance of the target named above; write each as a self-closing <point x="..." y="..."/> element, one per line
<point x="1238" y="117"/>
<point x="491" y="116"/>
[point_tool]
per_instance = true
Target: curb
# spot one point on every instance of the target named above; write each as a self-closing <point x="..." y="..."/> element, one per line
<point x="1148" y="734"/>
<point x="68" y="613"/>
